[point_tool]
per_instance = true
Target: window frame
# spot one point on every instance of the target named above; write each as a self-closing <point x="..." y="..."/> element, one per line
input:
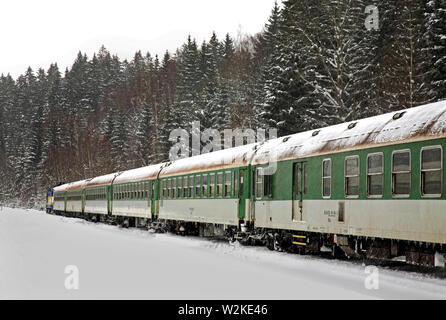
<point x="354" y="196"/>
<point x="436" y="195"/>
<point x="212" y="190"/>
<point x="204" y="185"/>
<point x="174" y="187"/>
<point x="394" y="195"/>
<point x="185" y="185"/>
<point x="164" y="188"/>
<point x="197" y="183"/>
<point x="267" y="191"/>
<point x="179" y="187"/>
<point x="219" y="189"/>
<point x="258" y="189"/>
<point x="227" y="191"/>
<point x="191" y="193"/>
<point x="326" y="177"/>
<point x="374" y="174"/>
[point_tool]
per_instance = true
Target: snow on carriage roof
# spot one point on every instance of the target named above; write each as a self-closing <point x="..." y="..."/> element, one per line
<point x="423" y="122"/>
<point x="139" y="174"/>
<point x="419" y="123"/>
<point x="106" y="179"/>
<point x="71" y="185"/>
<point x="227" y="158"/>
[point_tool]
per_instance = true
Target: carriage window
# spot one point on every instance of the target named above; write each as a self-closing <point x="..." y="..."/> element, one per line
<point x="352" y="176"/>
<point x="326" y="178"/>
<point x="228" y="181"/>
<point x="164" y="189"/>
<point x="204" y="185"/>
<point x="211" y="184"/>
<point x="236" y="180"/>
<point x="191" y="186"/>
<point x="375" y="174"/>
<point x="169" y="188"/>
<point x="401" y="173"/>
<point x="197" y="186"/>
<point x="180" y="187"/>
<point x="241" y="184"/>
<point x="219" y="184"/>
<point x="268" y="185"/>
<point x="174" y="187"/>
<point x="259" y="183"/>
<point x="185" y="188"/>
<point x="431" y="171"/>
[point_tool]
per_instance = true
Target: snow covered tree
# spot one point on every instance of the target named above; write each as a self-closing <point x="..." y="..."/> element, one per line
<point x="435" y="37"/>
<point x="263" y="63"/>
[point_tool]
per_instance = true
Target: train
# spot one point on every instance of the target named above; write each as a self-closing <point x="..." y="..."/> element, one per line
<point x="369" y="188"/>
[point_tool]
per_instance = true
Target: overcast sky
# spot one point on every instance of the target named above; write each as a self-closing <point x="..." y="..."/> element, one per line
<point x="38" y="32"/>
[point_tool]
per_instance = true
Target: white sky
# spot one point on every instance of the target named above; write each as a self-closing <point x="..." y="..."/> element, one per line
<point x="38" y="32"/>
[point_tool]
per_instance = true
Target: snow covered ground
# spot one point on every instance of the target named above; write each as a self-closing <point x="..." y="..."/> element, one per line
<point x="115" y="263"/>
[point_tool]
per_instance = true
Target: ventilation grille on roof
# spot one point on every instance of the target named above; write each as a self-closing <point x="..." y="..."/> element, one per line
<point x="352" y="125"/>
<point x="398" y="115"/>
<point x="315" y="133"/>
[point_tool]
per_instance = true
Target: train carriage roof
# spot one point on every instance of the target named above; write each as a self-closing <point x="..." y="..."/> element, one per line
<point x="414" y="124"/>
<point x="222" y="159"/>
<point x="140" y="174"/>
<point x="104" y="180"/>
<point x="71" y="186"/>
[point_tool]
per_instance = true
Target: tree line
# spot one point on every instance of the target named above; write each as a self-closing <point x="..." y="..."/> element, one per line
<point x="314" y="64"/>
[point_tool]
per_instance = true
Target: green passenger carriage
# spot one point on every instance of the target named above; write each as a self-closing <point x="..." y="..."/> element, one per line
<point x="372" y="187"/>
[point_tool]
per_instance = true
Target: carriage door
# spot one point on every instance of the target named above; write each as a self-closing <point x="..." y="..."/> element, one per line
<point x="243" y="194"/>
<point x="299" y="190"/>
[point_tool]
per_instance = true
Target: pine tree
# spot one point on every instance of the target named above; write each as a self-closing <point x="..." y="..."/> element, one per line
<point x="188" y="88"/>
<point x="145" y="135"/>
<point x="403" y="72"/>
<point x="285" y="92"/>
<point x="263" y="62"/>
<point x="435" y="36"/>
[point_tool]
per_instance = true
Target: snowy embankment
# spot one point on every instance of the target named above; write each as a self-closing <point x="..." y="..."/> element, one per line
<point x="115" y="263"/>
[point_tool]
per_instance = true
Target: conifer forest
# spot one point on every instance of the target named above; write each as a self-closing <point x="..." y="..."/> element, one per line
<point x="314" y="64"/>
